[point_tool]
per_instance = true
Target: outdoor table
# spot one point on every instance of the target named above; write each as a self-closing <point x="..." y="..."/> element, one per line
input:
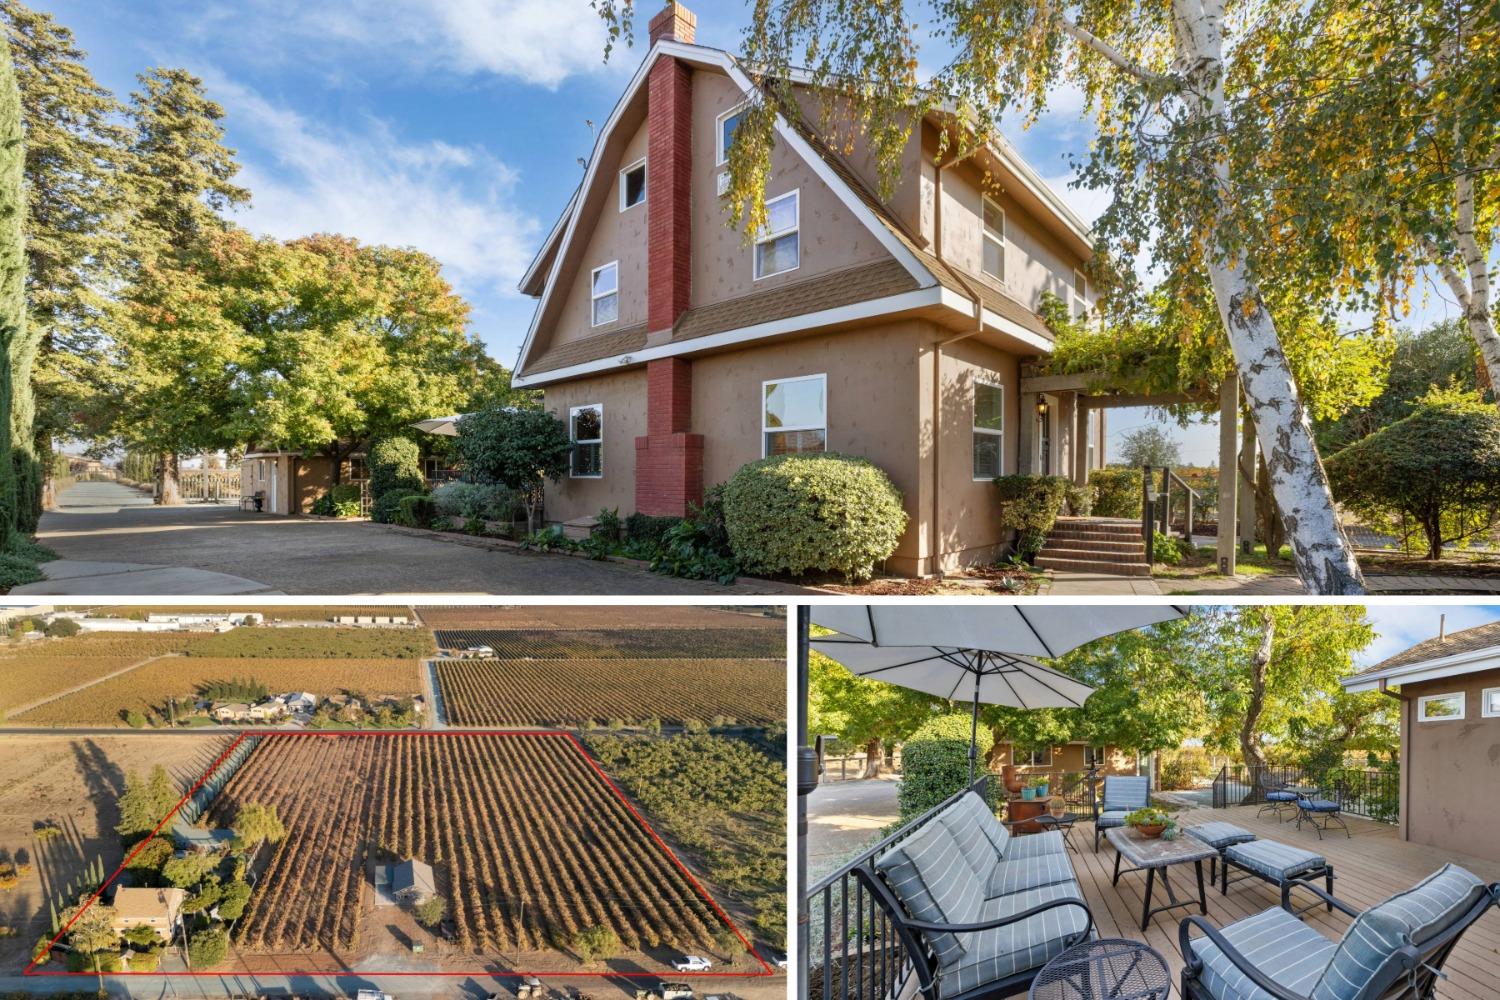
<point x="1153" y="854"/>
<point x="1107" y="969"/>
<point x="1063" y="823"/>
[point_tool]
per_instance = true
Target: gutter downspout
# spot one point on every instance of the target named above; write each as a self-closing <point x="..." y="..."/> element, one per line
<point x="935" y="541"/>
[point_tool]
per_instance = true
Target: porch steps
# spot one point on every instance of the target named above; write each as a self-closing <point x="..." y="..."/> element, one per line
<point x="1095" y="545"/>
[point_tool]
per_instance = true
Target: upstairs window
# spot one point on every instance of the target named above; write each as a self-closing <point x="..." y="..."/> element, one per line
<point x="728" y="122"/>
<point x="1441" y="707"/>
<point x="1080" y="295"/>
<point x="586" y="428"/>
<point x="777" y="247"/>
<point x="989" y="429"/>
<point x="606" y="293"/>
<point x="633" y="185"/>
<point x="993" y="261"/>
<point x="794" y="415"/>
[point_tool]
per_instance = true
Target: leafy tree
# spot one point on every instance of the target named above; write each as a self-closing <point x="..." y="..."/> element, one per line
<point x="516" y="448"/>
<point x="233" y="899"/>
<point x="1436" y="471"/>
<point x="145" y="804"/>
<point x="208" y="948"/>
<point x="431" y="911"/>
<point x="147" y="863"/>
<point x="1150" y="445"/>
<point x="94" y="930"/>
<point x="14" y="338"/>
<point x="862" y="711"/>
<point x="257" y="822"/>
<point x="597" y="943"/>
<point x="190" y="869"/>
<point x="63" y="628"/>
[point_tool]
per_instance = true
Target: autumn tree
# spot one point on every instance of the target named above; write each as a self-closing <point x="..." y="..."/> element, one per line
<point x="862" y="711"/>
<point x="257" y="823"/>
<point x="13" y="327"/>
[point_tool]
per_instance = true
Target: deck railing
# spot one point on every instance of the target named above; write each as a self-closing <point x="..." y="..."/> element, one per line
<point x="1374" y="793"/>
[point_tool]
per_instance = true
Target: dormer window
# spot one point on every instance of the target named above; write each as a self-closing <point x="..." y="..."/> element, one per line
<point x="724" y="136"/>
<point x="633" y="185"/>
<point x="993" y="261"/>
<point x="606" y="293"/>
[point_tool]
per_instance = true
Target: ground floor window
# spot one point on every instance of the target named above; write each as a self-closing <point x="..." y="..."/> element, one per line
<point x="989" y="429"/>
<point x="1491" y="703"/>
<point x="794" y="415"/>
<point x="1034" y="758"/>
<point x="586" y="428"/>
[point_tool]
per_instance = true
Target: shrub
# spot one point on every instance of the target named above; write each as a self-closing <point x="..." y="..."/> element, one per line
<point x="486" y="501"/>
<point x="16" y="570"/>
<point x="935" y="763"/>
<point x="208" y="948"/>
<point x="1029" y="507"/>
<point x="1080" y="499"/>
<point x="134" y="719"/>
<point x="648" y="528"/>
<point x="607" y="526"/>
<point x="339" y="501"/>
<point x="63" y="628"/>
<point x="431" y="911"/>
<point x="414" y="511"/>
<point x="687" y="550"/>
<point x="1116" y="492"/>
<point x="388" y="505"/>
<point x="395" y="463"/>
<point x="519" y="449"/>
<point x="795" y="514"/>
<point x="595" y="943"/>
<point x="1165" y="549"/>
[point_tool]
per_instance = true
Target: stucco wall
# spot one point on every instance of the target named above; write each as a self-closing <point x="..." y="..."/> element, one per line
<point x="623" y="396"/>
<point x="1453" y="771"/>
<point x="1067" y="757"/>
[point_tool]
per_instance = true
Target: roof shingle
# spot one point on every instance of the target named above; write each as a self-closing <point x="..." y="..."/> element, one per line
<point x="1465" y="641"/>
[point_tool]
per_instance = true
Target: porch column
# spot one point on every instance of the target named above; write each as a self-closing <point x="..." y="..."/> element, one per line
<point x="1229" y="476"/>
<point x="1247" y="486"/>
<point x="1026" y="447"/>
<point x="1080" y="439"/>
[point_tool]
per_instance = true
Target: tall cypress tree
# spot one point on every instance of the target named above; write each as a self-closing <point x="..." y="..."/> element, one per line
<point x="12" y="276"/>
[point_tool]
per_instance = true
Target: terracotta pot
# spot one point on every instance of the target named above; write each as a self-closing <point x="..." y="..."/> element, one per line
<point x="1152" y="831"/>
<point x="1057" y="806"/>
<point x="1010" y="779"/>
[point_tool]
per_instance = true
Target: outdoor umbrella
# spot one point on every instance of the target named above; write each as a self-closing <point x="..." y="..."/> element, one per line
<point x="446" y="426"/>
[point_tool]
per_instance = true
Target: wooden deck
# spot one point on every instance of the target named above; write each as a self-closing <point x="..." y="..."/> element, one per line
<point x="1369" y="866"/>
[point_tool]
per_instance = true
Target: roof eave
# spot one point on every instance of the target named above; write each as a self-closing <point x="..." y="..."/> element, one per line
<point x="1472" y="661"/>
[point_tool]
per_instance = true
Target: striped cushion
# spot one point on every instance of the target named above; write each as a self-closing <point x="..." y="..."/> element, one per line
<point x="995" y="954"/>
<point x="984" y="817"/>
<point x="973" y="846"/>
<point x="1036" y="844"/>
<point x="1127" y="794"/>
<point x="1411" y="917"/>
<point x="928" y="874"/>
<point x="1277" y="862"/>
<point x="1111" y="819"/>
<point x="1020" y="874"/>
<point x="1286" y="950"/>
<point x="1318" y="805"/>
<point x="1219" y="835"/>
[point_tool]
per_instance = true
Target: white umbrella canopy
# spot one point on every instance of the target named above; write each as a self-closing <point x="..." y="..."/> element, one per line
<point x="446" y="426"/>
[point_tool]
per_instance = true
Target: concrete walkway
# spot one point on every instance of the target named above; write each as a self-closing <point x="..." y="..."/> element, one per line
<point x="1066" y="583"/>
<point x="1070" y="584"/>
<point x="113" y="541"/>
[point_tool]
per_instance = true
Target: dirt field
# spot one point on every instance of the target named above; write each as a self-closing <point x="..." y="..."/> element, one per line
<point x="598" y="617"/>
<point x="72" y="782"/>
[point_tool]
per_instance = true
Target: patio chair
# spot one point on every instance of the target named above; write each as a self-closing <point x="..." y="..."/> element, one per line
<point x="1122" y="796"/>
<point x="1324" y="810"/>
<point x="1275" y="792"/>
<point x="1395" y="950"/>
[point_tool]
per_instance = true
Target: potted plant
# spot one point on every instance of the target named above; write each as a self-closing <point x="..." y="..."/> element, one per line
<point x="1149" y="821"/>
<point x="1041" y="783"/>
<point x="1028" y="793"/>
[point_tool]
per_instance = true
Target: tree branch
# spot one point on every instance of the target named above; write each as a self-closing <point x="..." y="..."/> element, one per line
<point x="1113" y="55"/>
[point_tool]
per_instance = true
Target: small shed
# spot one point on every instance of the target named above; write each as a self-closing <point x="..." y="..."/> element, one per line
<point x="412" y="881"/>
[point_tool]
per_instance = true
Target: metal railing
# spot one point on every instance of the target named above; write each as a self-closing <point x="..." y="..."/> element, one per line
<point x="1156" y="506"/>
<point x="851" y="767"/>
<point x="1374" y="793"/>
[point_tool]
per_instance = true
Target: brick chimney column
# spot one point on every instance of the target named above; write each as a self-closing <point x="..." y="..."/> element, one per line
<point x="669" y="458"/>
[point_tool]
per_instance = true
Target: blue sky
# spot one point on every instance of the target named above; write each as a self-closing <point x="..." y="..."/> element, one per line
<point x="454" y="126"/>
<point x="1400" y="626"/>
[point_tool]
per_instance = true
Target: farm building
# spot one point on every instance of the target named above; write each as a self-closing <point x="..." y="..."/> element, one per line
<point x="273" y="708"/>
<point x="412" y="881"/>
<point x="300" y="701"/>
<point x="158" y="909"/>
<point x="233" y="711"/>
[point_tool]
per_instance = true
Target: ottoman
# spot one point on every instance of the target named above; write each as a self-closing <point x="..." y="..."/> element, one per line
<point x="1219" y="835"/>
<point x="1278" y="864"/>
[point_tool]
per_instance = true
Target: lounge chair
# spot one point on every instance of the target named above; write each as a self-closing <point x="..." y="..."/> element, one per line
<point x="979" y="912"/>
<point x="1122" y="796"/>
<point x="1324" y="810"/>
<point x="1395" y="950"/>
<point x="1276" y="794"/>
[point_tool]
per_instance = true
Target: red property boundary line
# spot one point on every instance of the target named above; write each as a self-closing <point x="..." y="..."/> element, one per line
<point x="766" y="969"/>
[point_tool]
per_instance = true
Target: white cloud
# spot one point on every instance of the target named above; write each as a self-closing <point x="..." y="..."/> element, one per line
<point x="1089" y="203"/>
<point x="455" y="203"/>
<point x="1399" y="628"/>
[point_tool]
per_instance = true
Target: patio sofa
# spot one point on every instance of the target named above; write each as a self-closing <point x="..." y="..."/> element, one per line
<point x="978" y="911"/>
<point x="1395" y="950"/>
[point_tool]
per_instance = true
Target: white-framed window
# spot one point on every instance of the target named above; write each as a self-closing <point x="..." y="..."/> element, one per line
<point x="1489" y="703"/>
<point x="604" y="284"/>
<point x="1080" y="295"/>
<point x="724" y="127"/>
<point x="633" y="185"/>
<point x="993" y="259"/>
<point x="794" y="415"/>
<point x="586" y="428"/>
<point x="778" y="247"/>
<point x="1441" y="707"/>
<point x="989" y="430"/>
<point x="1033" y="758"/>
<point x="1095" y="757"/>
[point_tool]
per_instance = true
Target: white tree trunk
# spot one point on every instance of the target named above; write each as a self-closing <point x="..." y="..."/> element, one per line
<point x="1473" y="294"/>
<point x="1325" y="561"/>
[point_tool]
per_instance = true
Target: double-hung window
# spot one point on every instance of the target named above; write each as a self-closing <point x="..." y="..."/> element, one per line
<point x="777" y="246"/>
<point x="989" y="430"/>
<point x="633" y="185"/>
<point x="586" y="428"/>
<point x="728" y="122"/>
<point x="993" y="261"/>
<point x="794" y="415"/>
<point x="1080" y="295"/>
<point x="605" y="289"/>
<point x="1489" y="702"/>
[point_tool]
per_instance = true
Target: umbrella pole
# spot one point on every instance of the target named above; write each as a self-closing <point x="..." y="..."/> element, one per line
<point x="807" y="781"/>
<point x="974" y="731"/>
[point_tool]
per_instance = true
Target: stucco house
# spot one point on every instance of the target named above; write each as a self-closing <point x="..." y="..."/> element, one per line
<point x="288" y="481"/>
<point x="158" y="909"/>
<point x="889" y="328"/>
<point x="412" y="881"/>
<point x="1449" y="693"/>
<point x="1065" y="758"/>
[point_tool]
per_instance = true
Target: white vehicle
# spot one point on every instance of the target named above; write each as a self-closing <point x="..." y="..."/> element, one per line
<point x="676" y="991"/>
<point x="372" y="995"/>
<point x="692" y="963"/>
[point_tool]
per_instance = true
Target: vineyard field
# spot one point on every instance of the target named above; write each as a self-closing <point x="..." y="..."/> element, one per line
<point x="317" y="643"/>
<point x="527" y="842"/>
<point x="622" y="643"/>
<point x="580" y="692"/>
<point x="285" y="612"/>
<point x="597" y="617"/>
<point x="148" y="688"/>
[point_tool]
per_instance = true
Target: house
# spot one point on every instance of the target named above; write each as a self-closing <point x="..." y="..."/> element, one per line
<point x="412" y="881"/>
<point x="158" y="909"/>
<point x="855" y="324"/>
<point x="300" y="702"/>
<point x="1065" y="758"/>
<point x="233" y="711"/>
<point x="272" y="708"/>
<point x="1448" y="688"/>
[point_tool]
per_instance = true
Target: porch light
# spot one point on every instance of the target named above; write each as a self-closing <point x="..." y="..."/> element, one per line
<point x="1041" y="407"/>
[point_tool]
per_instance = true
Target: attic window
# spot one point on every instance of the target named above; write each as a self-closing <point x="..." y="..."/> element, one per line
<point x="727" y="123"/>
<point x="606" y="293"/>
<point x="633" y="185"/>
<point x="778" y="248"/>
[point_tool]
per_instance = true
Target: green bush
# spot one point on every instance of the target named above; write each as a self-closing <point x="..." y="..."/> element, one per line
<point x="1165" y="549"/>
<point x="607" y="526"/>
<point x="394" y="463"/>
<point x="1080" y="499"/>
<point x="431" y="911"/>
<point x="1029" y="507"/>
<point x="388" y="505"/>
<point x="16" y="570"/>
<point x="415" y="511"/>
<point x="63" y="628"/>
<point x="796" y="514"/>
<point x="596" y="943"/>
<point x="134" y="719"/>
<point x="485" y="501"/>
<point x="689" y="550"/>
<point x="340" y="501"/>
<point x="208" y="948"/>
<point x="1116" y="491"/>
<point x="648" y="528"/>
<point x="935" y="763"/>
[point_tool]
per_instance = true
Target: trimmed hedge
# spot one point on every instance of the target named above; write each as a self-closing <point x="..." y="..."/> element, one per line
<point x="797" y="514"/>
<point x="649" y="527"/>
<point x="1116" y="491"/>
<point x="387" y="505"/>
<point x="395" y="465"/>
<point x="935" y="763"/>
<point x="1029" y="507"/>
<point x="415" y="510"/>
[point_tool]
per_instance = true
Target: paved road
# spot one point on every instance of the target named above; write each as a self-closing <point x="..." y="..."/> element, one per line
<point x="844" y="817"/>
<point x="108" y="523"/>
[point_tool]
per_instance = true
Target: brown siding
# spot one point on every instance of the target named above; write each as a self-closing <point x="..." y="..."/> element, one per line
<point x="623" y="395"/>
<point x="1453" y="770"/>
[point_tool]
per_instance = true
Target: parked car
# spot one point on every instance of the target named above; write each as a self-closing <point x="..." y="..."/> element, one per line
<point x="692" y="963"/>
<point x="372" y="995"/>
<point x="676" y="991"/>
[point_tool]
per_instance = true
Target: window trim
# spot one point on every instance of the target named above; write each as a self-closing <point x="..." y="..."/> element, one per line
<point x="1031" y="760"/>
<point x="976" y="429"/>
<point x="770" y="237"/>
<point x="594" y="297"/>
<point x="984" y="234"/>
<point x="573" y="411"/>
<point x="1424" y="699"/>
<point x="1484" y="703"/>
<point x="721" y="155"/>
<point x="641" y="163"/>
<point x="764" y="430"/>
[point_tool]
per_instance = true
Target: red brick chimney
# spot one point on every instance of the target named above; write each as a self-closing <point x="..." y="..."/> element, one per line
<point x="669" y="458"/>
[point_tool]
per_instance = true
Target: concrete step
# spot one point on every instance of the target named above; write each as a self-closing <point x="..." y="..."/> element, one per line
<point x="1071" y="552"/>
<point x="1092" y="566"/>
<point x="1137" y="547"/>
